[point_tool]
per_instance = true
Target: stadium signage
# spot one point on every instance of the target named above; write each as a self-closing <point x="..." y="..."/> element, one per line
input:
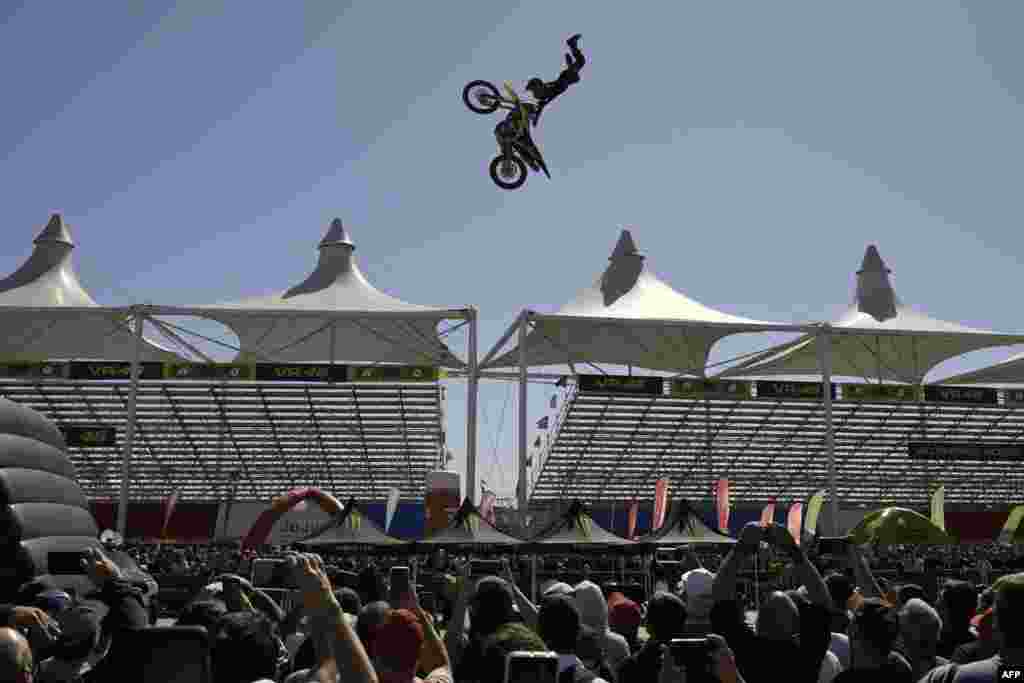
<point x="793" y="390"/>
<point x="609" y="384"/>
<point x="216" y="371"/>
<point x="710" y="388"/>
<point x="879" y="392"/>
<point x="89" y="436"/>
<point x="1014" y="396"/>
<point x="300" y="372"/>
<point x="109" y="371"/>
<point x="35" y="370"/>
<point x="393" y="373"/>
<point x="975" y="395"/>
<point x="932" y="450"/>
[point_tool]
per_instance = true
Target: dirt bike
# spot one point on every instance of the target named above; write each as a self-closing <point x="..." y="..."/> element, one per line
<point x="518" y="150"/>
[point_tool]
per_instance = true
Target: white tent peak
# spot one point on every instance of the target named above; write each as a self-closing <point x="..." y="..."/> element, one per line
<point x="337" y="236"/>
<point x="875" y="295"/>
<point x="625" y="247"/>
<point x="47" y="277"/>
<point x="55" y="231"/>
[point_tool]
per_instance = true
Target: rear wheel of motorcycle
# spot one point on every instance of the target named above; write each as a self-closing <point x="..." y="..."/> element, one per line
<point x="500" y="167"/>
<point x="481" y="97"/>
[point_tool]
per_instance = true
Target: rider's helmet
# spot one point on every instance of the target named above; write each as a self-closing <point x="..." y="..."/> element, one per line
<point x="536" y="87"/>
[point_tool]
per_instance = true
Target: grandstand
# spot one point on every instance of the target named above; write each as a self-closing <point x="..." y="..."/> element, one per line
<point x="611" y="443"/>
<point x="333" y="384"/>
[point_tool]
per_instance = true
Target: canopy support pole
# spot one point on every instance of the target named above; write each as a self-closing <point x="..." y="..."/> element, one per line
<point x="533" y="579"/>
<point x="473" y="392"/>
<point x="129" y="441"/>
<point x="524" y="322"/>
<point x="825" y="360"/>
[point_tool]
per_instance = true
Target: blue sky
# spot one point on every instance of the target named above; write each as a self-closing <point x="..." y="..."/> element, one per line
<point x="199" y="150"/>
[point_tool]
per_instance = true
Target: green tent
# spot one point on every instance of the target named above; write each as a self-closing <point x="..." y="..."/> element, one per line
<point x="890" y="526"/>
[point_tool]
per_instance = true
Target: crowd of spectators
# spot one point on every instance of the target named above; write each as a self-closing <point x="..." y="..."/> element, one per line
<point x="880" y="614"/>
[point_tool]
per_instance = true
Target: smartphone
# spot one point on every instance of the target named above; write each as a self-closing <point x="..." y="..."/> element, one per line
<point x="168" y="654"/>
<point x="400" y="586"/>
<point x="428" y="602"/>
<point x="837" y="545"/>
<point x="531" y="667"/>
<point x="65" y="563"/>
<point x="480" y="568"/>
<point x="694" y="655"/>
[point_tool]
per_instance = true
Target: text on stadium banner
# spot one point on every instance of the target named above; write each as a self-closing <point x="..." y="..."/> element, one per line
<point x="792" y="390"/>
<point x="710" y="388"/>
<point x="935" y="450"/>
<point x="610" y="384"/>
<point x="976" y="395"/>
<point x="880" y="392"/>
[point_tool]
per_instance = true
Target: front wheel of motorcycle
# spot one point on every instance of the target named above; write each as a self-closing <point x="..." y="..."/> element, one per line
<point x="481" y="97"/>
<point x="508" y="172"/>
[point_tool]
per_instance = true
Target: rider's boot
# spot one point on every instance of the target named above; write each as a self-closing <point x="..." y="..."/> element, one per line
<point x="574" y="40"/>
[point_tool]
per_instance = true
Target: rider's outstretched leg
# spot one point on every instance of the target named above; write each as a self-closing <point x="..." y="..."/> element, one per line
<point x="575" y="61"/>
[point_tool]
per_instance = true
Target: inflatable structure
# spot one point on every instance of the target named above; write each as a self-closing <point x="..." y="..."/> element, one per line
<point x="45" y="522"/>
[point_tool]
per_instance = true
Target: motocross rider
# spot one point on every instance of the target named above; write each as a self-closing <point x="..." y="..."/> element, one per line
<point x="545" y="93"/>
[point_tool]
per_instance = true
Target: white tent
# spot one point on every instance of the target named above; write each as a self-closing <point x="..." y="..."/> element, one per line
<point x="334" y="315"/>
<point x="1009" y="371"/>
<point x="627" y="317"/>
<point x="46" y="314"/>
<point x="878" y="338"/>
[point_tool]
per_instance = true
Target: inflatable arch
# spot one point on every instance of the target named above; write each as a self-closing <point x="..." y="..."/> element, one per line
<point x="43" y="512"/>
<point x="260" y="531"/>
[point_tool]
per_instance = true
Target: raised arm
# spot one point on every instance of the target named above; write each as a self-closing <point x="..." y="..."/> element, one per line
<point x="453" y="638"/>
<point x="805" y="571"/>
<point x="724" y="587"/>
<point x="526" y="608"/>
<point x="869" y="587"/>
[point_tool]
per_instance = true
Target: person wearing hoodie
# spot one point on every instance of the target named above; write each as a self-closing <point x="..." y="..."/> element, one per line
<point x="594" y="613"/>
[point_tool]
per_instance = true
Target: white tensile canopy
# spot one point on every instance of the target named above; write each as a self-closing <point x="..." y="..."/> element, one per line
<point x="46" y="314"/>
<point x="334" y="315"/>
<point x="878" y="338"/>
<point x="1009" y="371"/>
<point x="628" y="317"/>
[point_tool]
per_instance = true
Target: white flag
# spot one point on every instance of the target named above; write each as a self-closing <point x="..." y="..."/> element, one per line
<point x="393" y="496"/>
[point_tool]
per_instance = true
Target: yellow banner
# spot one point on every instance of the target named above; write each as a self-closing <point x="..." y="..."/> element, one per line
<point x="939" y="508"/>
<point x="813" y="510"/>
<point x="1012" y="522"/>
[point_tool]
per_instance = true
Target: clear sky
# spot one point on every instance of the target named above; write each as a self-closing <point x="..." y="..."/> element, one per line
<point x="199" y="149"/>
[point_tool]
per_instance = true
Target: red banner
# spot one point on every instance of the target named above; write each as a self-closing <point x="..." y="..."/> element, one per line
<point x="660" y="503"/>
<point x="796" y="515"/>
<point x="487" y="507"/>
<point x="723" y="505"/>
<point x="768" y="514"/>
<point x="634" y="508"/>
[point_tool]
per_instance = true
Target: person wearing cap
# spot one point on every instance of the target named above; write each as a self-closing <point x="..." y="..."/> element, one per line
<point x="625" y="617"/>
<point x="489" y="604"/>
<point x="406" y="642"/>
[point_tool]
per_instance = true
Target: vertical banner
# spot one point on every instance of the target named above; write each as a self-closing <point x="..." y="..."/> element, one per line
<point x="393" y="495"/>
<point x="1010" y="528"/>
<point x="796" y="514"/>
<point x="442" y="499"/>
<point x="487" y="510"/>
<point x="172" y="502"/>
<point x="813" y="510"/>
<point x="939" y="507"/>
<point x="660" y="503"/>
<point x="768" y="514"/>
<point x="723" y="505"/>
<point x="634" y="508"/>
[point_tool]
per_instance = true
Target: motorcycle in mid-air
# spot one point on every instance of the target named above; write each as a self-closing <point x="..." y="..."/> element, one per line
<point x="518" y="150"/>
